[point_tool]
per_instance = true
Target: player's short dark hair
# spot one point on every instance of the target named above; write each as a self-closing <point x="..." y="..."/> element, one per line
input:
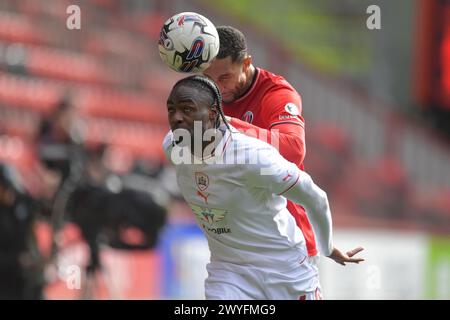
<point x="232" y="44"/>
<point x="208" y="86"/>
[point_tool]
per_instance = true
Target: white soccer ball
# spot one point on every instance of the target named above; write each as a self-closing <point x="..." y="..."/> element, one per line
<point x="188" y="42"/>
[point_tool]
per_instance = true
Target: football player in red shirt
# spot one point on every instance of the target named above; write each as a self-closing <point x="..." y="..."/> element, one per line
<point x="258" y="101"/>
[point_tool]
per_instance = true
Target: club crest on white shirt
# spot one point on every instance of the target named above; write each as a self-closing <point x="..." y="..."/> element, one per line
<point x="202" y="181"/>
<point x="292" y="109"/>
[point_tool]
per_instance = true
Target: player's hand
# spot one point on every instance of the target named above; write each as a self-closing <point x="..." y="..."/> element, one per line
<point x="228" y="119"/>
<point x="342" y="258"/>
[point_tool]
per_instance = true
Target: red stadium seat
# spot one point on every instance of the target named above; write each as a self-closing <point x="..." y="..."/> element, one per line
<point x="17" y="122"/>
<point x="38" y="95"/>
<point x="431" y="208"/>
<point x="380" y="189"/>
<point x="119" y="105"/>
<point x="65" y="65"/>
<point x="329" y="150"/>
<point x="18" y="28"/>
<point x="141" y="140"/>
<point x="150" y="24"/>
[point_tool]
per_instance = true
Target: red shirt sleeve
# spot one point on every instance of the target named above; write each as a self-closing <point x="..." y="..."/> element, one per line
<point x="282" y="105"/>
<point x="281" y="110"/>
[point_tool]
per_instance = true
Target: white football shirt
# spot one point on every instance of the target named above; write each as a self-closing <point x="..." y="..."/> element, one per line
<point x="237" y="201"/>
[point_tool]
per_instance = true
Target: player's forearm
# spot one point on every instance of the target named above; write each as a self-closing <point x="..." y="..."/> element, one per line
<point x="315" y="201"/>
<point x="290" y="138"/>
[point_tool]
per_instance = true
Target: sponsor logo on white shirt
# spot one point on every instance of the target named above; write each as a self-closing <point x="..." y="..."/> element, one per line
<point x="211" y="219"/>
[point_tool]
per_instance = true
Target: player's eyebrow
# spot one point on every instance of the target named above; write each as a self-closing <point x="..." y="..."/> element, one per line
<point x="182" y="100"/>
<point x="188" y="100"/>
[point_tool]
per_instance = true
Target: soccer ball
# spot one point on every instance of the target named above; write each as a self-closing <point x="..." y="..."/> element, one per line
<point x="188" y="42"/>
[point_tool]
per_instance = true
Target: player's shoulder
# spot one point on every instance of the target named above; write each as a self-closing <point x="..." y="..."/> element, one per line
<point x="243" y="142"/>
<point x="252" y="155"/>
<point x="278" y="94"/>
<point x="272" y="81"/>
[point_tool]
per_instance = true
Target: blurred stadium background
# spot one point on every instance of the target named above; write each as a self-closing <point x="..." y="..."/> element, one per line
<point x="377" y="110"/>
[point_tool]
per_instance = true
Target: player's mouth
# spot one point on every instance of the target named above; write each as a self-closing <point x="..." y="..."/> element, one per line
<point x="179" y="127"/>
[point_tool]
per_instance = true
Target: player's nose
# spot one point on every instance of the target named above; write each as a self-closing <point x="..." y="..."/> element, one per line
<point x="176" y="120"/>
<point x="176" y="116"/>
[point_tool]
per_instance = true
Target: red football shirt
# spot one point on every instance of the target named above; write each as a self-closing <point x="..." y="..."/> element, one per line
<point x="271" y="103"/>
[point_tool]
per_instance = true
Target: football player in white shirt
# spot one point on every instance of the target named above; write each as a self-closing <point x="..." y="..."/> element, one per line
<point x="237" y="188"/>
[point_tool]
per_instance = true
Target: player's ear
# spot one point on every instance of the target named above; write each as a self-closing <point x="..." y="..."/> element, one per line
<point x="213" y="112"/>
<point x="246" y="62"/>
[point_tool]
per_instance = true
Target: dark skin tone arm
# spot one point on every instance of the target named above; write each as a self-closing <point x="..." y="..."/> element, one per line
<point x="343" y="258"/>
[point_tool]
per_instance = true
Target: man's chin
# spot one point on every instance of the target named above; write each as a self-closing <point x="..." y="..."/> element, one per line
<point x="183" y="143"/>
<point x="181" y="136"/>
<point x="227" y="100"/>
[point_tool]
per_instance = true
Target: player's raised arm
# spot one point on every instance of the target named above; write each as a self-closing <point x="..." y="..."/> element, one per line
<point x="315" y="201"/>
<point x="282" y="177"/>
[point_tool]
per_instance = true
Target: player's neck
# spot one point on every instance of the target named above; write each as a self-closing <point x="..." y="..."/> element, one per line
<point x="250" y="78"/>
<point x="250" y="74"/>
<point x="209" y="147"/>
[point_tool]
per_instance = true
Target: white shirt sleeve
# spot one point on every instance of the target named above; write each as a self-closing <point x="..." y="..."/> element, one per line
<point x="282" y="177"/>
<point x="315" y="202"/>
<point x="273" y="172"/>
<point x="168" y="145"/>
